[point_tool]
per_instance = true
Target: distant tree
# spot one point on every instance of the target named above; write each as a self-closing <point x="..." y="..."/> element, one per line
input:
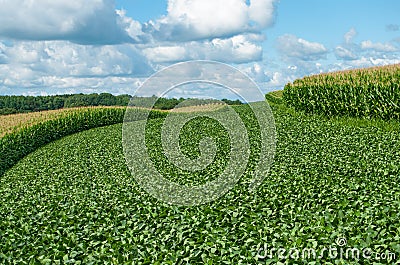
<point x="18" y="104"/>
<point x="6" y="111"/>
<point x="106" y="99"/>
<point x="122" y="100"/>
<point x="232" y="102"/>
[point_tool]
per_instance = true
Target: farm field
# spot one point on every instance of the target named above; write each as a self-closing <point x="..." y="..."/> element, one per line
<point x="199" y="132"/>
<point x="14" y="122"/>
<point x="370" y="92"/>
<point x="74" y="200"/>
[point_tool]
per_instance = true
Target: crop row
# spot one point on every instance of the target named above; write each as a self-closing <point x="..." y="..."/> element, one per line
<point x="371" y="92"/>
<point x="16" y="145"/>
<point x="75" y="201"/>
<point x="275" y="97"/>
<point x="15" y="122"/>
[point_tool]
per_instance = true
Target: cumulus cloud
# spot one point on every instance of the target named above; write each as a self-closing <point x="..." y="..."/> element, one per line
<point x="366" y="53"/>
<point x="300" y="58"/>
<point x="61" y="65"/>
<point x="262" y="12"/>
<point x="269" y="76"/>
<point x="166" y="54"/>
<point x="344" y="53"/>
<point x="80" y="21"/>
<point x="367" y="61"/>
<point x="348" y="50"/>
<point x="84" y="45"/>
<point x="189" y="20"/>
<point x="3" y="57"/>
<point x="349" y="36"/>
<point x="223" y="30"/>
<point x="57" y="85"/>
<point x="273" y="75"/>
<point x="132" y="27"/>
<point x="237" y="49"/>
<point x="293" y="47"/>
<point x="380" y="47"/>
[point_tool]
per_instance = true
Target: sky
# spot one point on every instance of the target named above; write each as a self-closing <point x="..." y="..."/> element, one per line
<point x="95" y="46"/>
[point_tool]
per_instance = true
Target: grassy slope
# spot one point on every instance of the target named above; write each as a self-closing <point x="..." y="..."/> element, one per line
<point x="74" y="199"/>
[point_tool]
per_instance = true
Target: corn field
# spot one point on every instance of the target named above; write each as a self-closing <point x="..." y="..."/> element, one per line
<point x="371" y="92"/>
<point x="19" y="143"/>
<point x="21" y="134"/>
<point x="275" y="97"/>
<point x="14" y="122"/>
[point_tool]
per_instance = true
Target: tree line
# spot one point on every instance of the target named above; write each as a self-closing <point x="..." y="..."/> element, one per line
<point x="22" y="104"/>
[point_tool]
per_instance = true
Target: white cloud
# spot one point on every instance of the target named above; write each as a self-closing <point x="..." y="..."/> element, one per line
<point x="380" y="47"/>
<point x="206" y="19"/>
<point x="349" y="36"/>
<point x="165" y="54"/>
<point x="293" y="47"/>
<point x="61" y="64"/>
<point x="384" y="61"/>
<point x="55" y="85"/>
<point x="237" y="49"/>
<point x="273" y="75"/>
<point x="3" y="56"/>
<point x="233" y="50"/>
<point x="301" y="58"/>
<point x="262" y="12"/>
<point x="132" y="27"/>
<point x="80" y="21"/>
<point x="366" y="61"/>
<point x="366" y="53"/>
<point x="230" y="31"/>
<point x="348" y="50"/>
<point x="63" y="46"/>
<point x="344" y="53"/>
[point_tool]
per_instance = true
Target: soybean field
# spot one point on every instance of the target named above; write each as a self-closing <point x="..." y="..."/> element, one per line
<point x="74" y="201"/>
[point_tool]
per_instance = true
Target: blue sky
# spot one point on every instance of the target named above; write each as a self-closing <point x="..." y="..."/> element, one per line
<point x="114" y="45"/>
